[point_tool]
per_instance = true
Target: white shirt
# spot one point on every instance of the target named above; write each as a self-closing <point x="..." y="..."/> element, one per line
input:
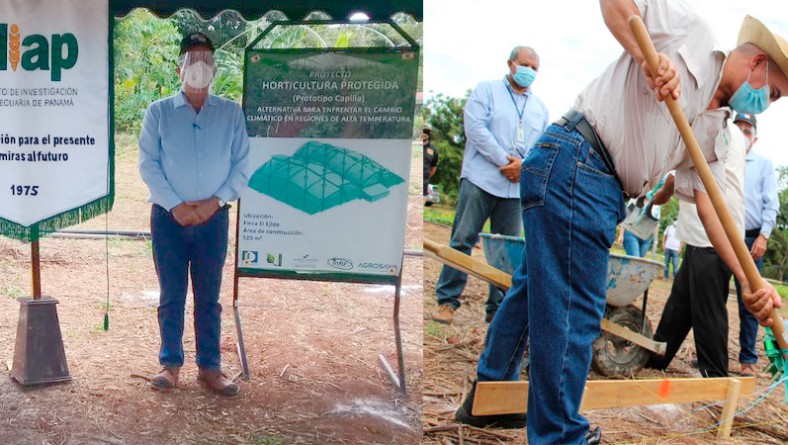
<point x="689" y="228"/>
<point x="637" y="130"/>
<point x="671" y="242"/>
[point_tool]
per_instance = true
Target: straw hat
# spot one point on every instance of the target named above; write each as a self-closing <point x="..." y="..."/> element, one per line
<point x="755" y="32"/>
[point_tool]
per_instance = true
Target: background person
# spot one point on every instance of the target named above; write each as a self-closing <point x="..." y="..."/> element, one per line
<point x="761" y="209"/>
<point x="503" y="118"/>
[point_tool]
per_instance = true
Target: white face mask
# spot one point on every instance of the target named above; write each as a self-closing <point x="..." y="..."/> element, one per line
<point x="198" y="75"/>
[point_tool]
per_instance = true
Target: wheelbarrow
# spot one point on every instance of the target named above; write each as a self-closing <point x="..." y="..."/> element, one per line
<point x="623" y="347"/>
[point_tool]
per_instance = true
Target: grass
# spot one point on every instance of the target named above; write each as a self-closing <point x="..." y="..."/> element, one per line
<point x="434" y="329"/>
<point x="267" y="440"/>
<point x="11" y="291"/>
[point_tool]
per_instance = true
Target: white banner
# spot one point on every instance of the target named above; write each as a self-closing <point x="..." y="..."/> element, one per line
<point x="54" y="113"/>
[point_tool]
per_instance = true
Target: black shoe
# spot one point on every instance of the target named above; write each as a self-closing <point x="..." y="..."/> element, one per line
<point x="488" y="317"/>
<point x="464" y="415"/>
<point x="594" y="437"/>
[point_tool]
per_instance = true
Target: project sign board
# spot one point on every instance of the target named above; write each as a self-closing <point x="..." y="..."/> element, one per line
<point x="330" y="159"/>
<point x="55" y="148"/>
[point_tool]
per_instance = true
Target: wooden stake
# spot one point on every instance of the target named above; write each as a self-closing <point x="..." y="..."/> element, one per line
<point x="729" y="410"/>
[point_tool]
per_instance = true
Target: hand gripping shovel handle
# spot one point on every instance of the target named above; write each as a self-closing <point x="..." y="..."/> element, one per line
<point x="735" y="238"/>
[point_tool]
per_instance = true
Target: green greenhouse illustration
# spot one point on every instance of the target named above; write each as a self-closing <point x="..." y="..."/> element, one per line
<point x="320" y="176"/>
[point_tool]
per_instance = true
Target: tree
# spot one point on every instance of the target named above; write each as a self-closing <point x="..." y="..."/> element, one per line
<point x="445" y="114"/>
<point x="146" y="52"/>
<point x="776" y="257"/>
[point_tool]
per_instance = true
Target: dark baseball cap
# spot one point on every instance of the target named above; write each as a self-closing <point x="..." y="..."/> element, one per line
<point x="195" y="39"/>
<point x="749" y="118"/>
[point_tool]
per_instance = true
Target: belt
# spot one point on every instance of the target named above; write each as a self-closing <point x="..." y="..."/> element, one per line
<point x="752" y="233"/>
<point x="584" y="128"/>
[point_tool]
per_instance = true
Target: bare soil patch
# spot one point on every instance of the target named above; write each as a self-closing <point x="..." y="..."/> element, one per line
<point x="451" y="353"/>
<point x="312" y="348"/>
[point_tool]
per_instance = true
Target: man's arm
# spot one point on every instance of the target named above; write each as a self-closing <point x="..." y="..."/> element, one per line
<point x="663" y="195"/>
<point x="476" y="120"/>
<point x="771" y="208"/>
<point x="759" y="303"/>
<point x="150" y="162"/>
<point x="616" y="13"/>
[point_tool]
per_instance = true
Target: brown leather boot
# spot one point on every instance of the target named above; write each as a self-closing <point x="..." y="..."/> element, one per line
<point x="444" y="315"/>
<point x="217" y="382"/>
<point x="166" y="379"/>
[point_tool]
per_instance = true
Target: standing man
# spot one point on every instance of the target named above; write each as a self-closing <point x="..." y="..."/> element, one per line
<point x="430" y="157"/>
<point x="617" y="140"/>
<point x="672" y="245"/>
<point x="699" y="294"/>
<point x="761" y="209"/>
<point x="193" y="157"/>
<point x="503" y="119"/>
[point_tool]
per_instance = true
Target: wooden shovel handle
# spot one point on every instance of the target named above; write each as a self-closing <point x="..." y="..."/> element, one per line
<point x="717" y="199"/>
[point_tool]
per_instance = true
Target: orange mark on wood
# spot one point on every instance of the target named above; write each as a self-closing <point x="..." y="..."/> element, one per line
<point x="664" y="388"/>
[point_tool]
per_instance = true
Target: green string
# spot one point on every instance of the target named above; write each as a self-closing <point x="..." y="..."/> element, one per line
<point x="106" y="246"/>
<point x="777" y="358"/>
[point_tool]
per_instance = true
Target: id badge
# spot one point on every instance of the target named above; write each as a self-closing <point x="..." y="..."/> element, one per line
<point x="520" y="134"/>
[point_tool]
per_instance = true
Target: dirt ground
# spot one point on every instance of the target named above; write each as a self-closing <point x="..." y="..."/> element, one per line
<point x="312" y="348"/>
<point x="451" y="353"/>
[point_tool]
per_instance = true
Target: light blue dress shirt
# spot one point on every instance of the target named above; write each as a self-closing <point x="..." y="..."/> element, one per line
<point x="190" y="156"/>
<point x="761" y="205"/>
<point x="492" y="117"/>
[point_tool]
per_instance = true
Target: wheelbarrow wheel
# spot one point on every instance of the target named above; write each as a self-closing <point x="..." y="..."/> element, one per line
<point x="615" y="356"/>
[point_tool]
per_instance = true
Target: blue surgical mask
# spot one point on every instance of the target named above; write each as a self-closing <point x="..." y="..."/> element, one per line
<point x="524" y="76"/>
<point x="749" y="100"/>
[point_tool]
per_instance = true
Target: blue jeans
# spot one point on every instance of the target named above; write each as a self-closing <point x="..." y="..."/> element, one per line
<point x="671" y="256"/>
<point x="635" y="246"/>
<point x="748" y="324"/>
<point x="572" y="206"/>
<point x="178" y="251"/>
<point x="474" y="207"/>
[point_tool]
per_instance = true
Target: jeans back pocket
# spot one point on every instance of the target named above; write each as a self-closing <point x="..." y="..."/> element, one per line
<point x="536" y="173"/>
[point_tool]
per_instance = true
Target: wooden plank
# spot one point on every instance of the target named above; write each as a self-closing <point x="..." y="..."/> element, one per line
<point x="466" y="264"/>
<point x="512" y="397"/>
<point x="729" y="410"/>
<point x="634" y="337"/>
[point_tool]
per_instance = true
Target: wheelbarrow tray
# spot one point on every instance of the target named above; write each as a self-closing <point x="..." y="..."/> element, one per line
<point x="627" y="277"/>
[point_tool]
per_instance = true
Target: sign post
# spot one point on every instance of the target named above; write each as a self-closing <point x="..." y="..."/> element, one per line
<point x="330" y="134"/>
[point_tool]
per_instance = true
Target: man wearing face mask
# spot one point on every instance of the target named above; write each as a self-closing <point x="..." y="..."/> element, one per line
<point x="193" y="157"/>
<point x="503" y="118"/>
<point x="762" y="207"/>
<point x="616" y="142"/>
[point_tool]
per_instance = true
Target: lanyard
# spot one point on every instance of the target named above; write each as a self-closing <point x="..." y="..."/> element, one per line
<point x="519" y="112"/>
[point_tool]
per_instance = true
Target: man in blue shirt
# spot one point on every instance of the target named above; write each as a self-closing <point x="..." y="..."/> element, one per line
<point x="503" y="119"/>
<point x="193" y="157"/>
<point x="761" y="207"/>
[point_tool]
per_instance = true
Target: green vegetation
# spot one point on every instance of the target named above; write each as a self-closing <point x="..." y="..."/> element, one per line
<point x="434" y="329"/>
<point x="264" y="439"/>
<point x="146" y="52"/>
<point x="11" y="291"/>
<point x="439" y="216"/>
